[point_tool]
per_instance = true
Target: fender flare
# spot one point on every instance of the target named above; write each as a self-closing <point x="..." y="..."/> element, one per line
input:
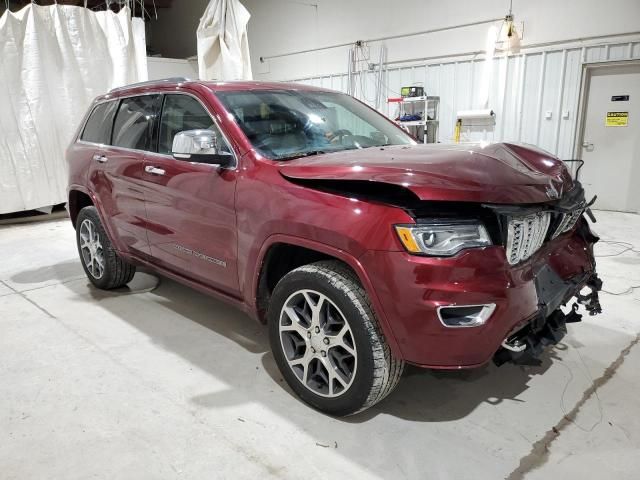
<point x="339" y="254"/>
<point x="98" y="205"/>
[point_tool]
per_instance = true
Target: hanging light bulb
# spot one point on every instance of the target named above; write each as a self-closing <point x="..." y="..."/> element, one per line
<point x="511" y="44"/>
<point x="508" y="38"/>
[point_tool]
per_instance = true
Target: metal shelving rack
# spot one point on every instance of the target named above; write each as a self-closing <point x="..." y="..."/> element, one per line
<point x="429" y="108"/>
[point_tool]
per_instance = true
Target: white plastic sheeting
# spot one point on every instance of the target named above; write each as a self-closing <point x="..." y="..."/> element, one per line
<point x="53" y="61"/>
<point x="223" y="45"/>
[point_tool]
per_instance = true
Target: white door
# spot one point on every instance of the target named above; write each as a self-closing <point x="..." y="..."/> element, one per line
<point x="611" y="138"/>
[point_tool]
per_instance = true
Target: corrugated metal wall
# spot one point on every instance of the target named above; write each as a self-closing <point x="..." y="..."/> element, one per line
<point x="522" y="88"/>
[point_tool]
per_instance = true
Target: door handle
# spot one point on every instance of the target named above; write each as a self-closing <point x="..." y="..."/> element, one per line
<point x="100" y="158"/>
<point x="154" y="170"/>
<point x="588" y="146"/>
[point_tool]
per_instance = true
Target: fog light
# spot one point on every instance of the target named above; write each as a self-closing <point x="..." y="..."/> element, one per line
<point x="465" y="315"/>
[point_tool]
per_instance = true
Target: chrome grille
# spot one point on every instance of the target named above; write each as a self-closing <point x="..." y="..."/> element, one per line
<point x="525" y="235"/>
<point x="567" y="223"/>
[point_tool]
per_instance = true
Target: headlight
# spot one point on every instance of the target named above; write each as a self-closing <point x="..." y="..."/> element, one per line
<point x="442" y="240"/>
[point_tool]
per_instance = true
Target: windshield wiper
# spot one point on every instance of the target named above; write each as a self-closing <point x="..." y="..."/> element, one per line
<point x="302" y="154"/>
<point x="311" y="153"/>
<point x="377" y="146"/>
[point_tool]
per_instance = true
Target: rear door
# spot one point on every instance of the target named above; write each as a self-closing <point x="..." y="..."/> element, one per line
<point x="190" y="206"/>
<point x="110" y="177"/>
<point x="116" y="174"/>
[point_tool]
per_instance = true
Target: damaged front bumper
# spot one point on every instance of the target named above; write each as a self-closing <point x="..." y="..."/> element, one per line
<point x="524" y="300"/>
<point x="548" y="327"/>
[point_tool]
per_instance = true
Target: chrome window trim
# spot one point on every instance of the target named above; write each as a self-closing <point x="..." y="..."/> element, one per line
<point x="158" y="92"/>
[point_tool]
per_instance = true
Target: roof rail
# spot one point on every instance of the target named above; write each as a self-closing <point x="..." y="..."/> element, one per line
<point x="151" y="82"/>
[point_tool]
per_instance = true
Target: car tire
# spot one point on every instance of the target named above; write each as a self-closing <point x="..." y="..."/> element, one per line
<point x="325" y="302"/>
<point x="104" y="268"/>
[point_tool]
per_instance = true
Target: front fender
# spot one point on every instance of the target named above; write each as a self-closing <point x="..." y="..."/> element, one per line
<point x="331" y="251"/>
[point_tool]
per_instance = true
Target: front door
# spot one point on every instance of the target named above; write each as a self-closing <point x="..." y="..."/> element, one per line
<point x="191" y="220"/>
<point x="611" y="138"/>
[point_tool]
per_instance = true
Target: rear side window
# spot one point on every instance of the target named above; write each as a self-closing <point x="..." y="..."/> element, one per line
<point x="98" y="126"/>
<point x="133" y="127"/>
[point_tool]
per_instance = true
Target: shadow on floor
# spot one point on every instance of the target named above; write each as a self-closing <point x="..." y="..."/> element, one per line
<point x="442" y="395"/>
<point x="58" y="272"/>
<point x="422" y="395"/>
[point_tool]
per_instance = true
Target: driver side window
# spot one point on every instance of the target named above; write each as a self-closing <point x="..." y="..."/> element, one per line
<point x="183" y="112"/>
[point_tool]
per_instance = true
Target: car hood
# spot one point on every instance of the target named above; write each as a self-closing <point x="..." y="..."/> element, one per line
<point x="495" y="173"/>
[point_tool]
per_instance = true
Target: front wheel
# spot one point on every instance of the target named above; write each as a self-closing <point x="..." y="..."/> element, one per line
<point x="100" y="261"/>
<point x="327" y="342"/>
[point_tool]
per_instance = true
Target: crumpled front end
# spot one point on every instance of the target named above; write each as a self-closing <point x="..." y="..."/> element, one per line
<point x="500" y="302"/>
<point x="548" y="326"/>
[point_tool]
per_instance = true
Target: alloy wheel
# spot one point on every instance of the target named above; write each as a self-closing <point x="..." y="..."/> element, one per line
<point x="91" y="248"/>
<point x="318" y="343"/>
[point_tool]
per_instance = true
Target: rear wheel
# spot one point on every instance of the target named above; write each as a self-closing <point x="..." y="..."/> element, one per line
<point x="327" y="342"/>
<point x="104" y="268"/>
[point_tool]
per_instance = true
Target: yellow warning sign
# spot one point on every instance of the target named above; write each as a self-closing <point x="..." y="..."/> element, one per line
<point x="617" y="119"/>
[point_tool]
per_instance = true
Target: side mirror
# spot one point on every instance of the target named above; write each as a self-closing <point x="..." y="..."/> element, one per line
<point x="200" y="146"/>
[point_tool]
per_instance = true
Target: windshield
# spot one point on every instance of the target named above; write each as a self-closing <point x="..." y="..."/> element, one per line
<point x="283" y="124"/>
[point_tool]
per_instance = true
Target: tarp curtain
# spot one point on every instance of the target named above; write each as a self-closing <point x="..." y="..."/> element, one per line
<point x="223" y="45"/>
<point x="53" y="61"/>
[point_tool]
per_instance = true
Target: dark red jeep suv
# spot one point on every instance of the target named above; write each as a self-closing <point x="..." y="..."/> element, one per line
<point x="310" y="211"/>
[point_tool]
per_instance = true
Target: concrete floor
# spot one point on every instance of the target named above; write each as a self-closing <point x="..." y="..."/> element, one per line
<point x="168" y="383"/>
